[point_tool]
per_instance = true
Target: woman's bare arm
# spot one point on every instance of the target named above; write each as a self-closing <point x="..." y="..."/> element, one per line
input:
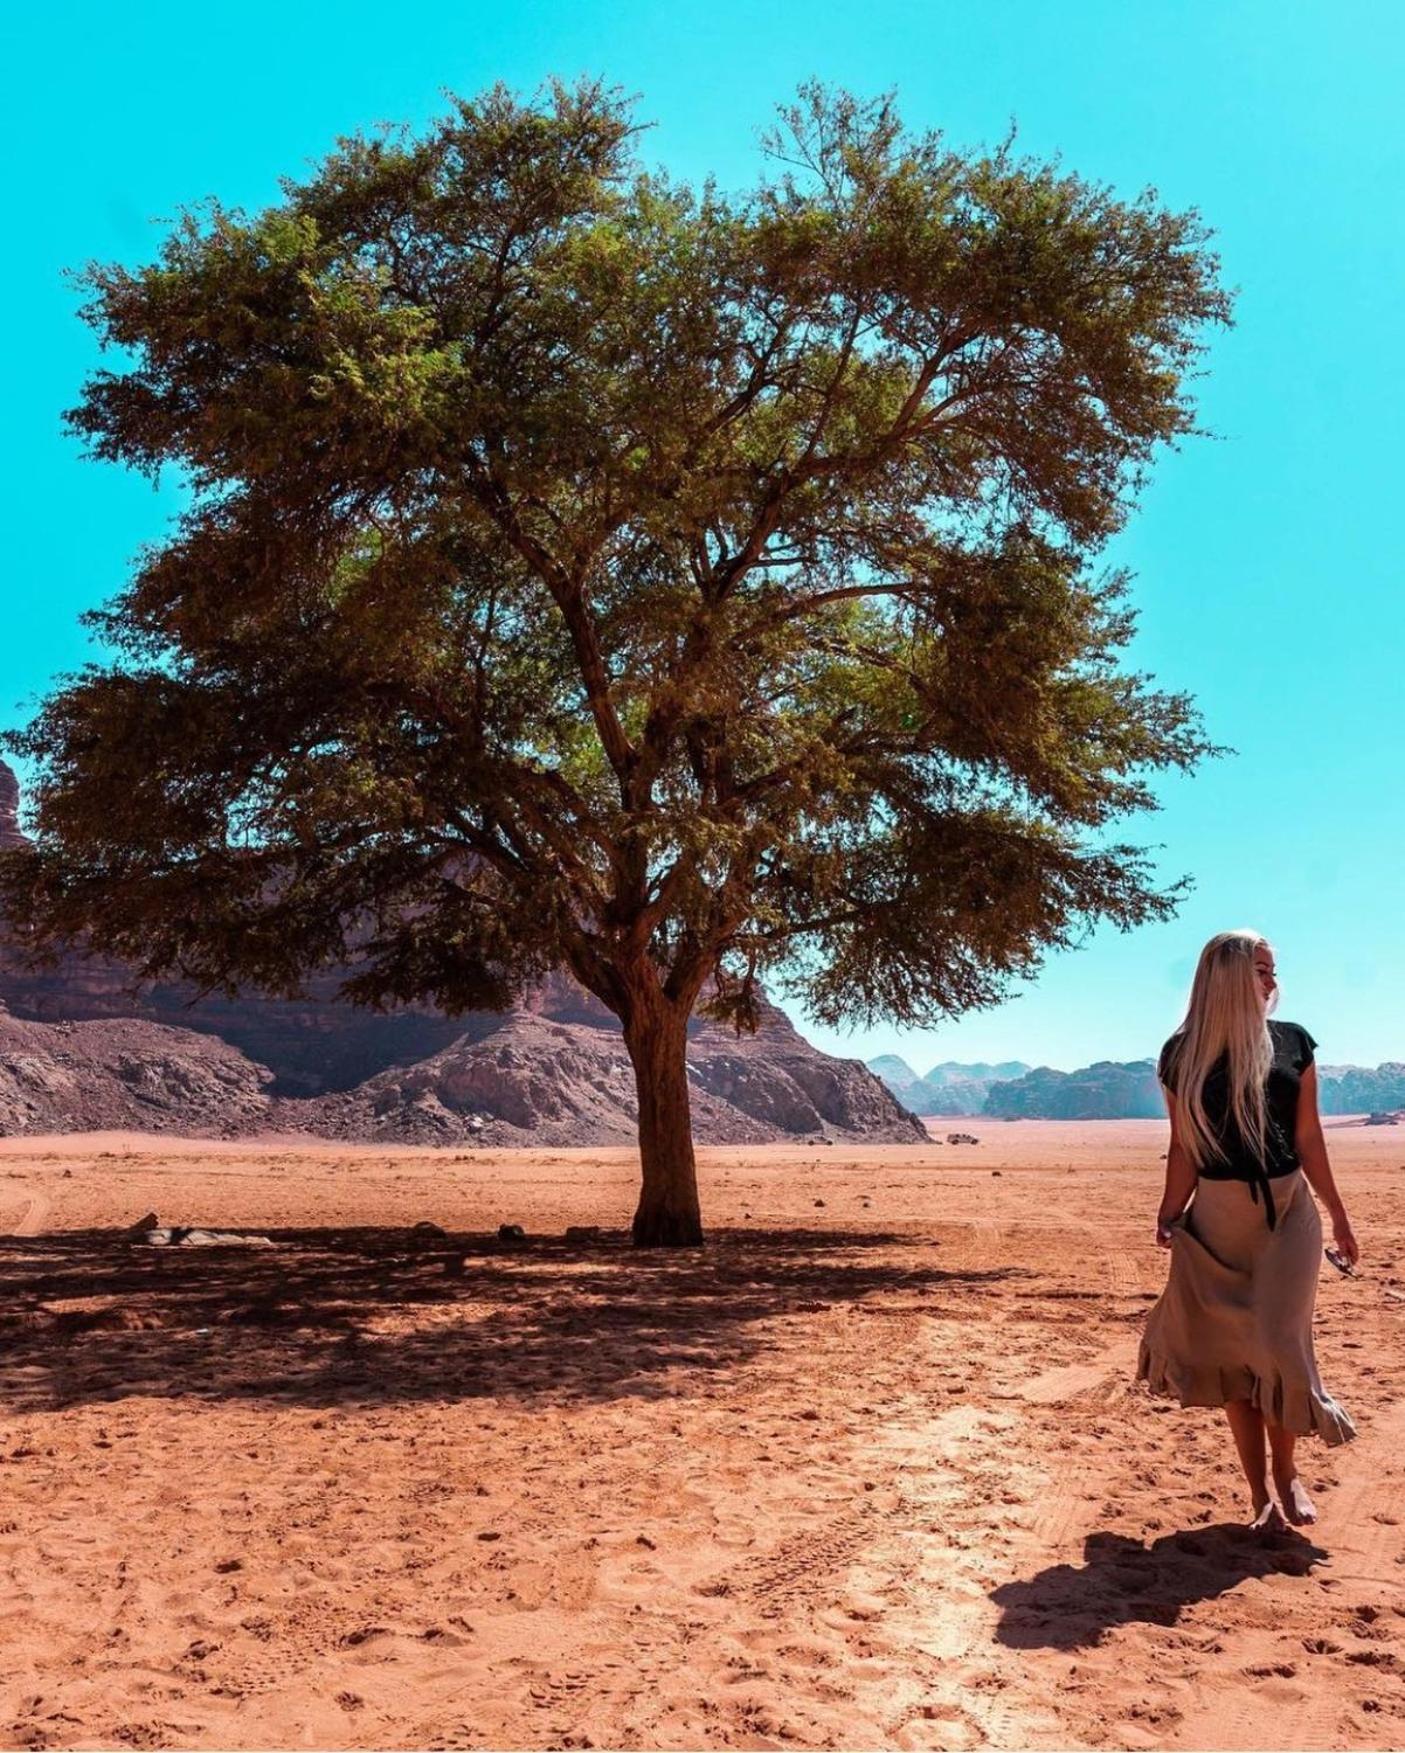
<point x="1312" y="1150"/>
<point x="1181" y="1178"/>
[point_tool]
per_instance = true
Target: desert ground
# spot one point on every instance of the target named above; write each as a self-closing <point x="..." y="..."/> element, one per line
<point x="868" y="1471"/>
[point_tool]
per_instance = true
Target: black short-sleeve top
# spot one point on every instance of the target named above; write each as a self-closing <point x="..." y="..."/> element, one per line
<point x="1292" y="1054"/>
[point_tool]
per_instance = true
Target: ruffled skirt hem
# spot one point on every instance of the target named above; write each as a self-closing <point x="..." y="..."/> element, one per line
<point x="1292" y="1405"/>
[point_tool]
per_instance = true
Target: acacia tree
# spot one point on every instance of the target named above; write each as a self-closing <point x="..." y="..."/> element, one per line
<point x="583" y="570"/>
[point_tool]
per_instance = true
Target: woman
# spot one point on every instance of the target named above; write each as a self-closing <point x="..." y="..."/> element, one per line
<point x="1233" y="1327"/>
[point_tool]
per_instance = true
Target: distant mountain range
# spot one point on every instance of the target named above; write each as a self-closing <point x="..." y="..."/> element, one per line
<point x="1361" y="1089"/>
<point x="1107" y="1090"/>
<point x="947" y="1088"/>
<point x="1104" y="1091"/>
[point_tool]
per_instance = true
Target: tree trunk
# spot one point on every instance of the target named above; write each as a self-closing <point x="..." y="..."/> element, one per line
<point x="669" y="1216"/>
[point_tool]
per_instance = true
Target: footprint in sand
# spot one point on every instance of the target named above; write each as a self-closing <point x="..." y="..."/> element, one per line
<point x="939" y="1724"/>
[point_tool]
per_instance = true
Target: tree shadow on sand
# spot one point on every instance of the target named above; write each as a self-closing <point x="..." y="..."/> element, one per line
<point x="1123" y="1581"/>
<point x="378" y="1316"/>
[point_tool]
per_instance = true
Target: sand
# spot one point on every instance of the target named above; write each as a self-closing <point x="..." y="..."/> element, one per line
<point x="870" y="1471"/>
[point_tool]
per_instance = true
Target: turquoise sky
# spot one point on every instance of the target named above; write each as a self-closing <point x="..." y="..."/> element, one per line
<point x="1268" y="560"/>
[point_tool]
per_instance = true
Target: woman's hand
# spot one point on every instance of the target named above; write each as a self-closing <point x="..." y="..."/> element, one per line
<point x="1181" y="1179"/>
<point x="1345" y="1239"/>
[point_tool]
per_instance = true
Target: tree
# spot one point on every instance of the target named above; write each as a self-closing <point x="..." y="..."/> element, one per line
<point x="583" y="570"/>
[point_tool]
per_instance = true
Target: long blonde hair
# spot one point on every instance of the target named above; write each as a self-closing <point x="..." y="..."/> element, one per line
<point x="1226" y="1016"/>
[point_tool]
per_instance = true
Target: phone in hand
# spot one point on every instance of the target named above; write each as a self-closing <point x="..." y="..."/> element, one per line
<point x="1340" y="1261"/>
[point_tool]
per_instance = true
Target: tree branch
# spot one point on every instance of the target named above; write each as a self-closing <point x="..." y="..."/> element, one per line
<point x="569" y="595"/>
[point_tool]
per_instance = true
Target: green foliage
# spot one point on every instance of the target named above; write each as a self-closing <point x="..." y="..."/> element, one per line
<point x="585" y="569"/>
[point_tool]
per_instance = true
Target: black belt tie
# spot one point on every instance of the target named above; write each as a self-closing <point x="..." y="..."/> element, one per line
<point x="1257" y="1180"/>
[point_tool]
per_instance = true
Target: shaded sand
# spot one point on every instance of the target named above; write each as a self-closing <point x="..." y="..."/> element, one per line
<point x="870" y="1471"/>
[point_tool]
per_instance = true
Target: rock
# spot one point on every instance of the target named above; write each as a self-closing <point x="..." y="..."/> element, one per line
<point x="553" y="1070"/>
<point x="583" y="1232"/>
<point x="143" y="1224"/>
<point x="1104" y="1091"/>
<point x="788" y="1088"/>
<point x="428" y="1231"/>
<point x="179" y="1237"/>
<point x="1109" y="1090"/>
<point x="125" y="1075"/>
<point x="1359" y="1089"/>
<point x="10" y="835"/>
<point x="543" y="1081"/>
<point x="311" y="1044"/>
<point x="511" y="1232"/>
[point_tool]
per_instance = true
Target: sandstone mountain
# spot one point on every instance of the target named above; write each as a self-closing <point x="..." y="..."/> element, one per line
<point x="897" y="1074"/>
<point x="950" y="1071"/>
<point x="536" y="1079"/>
<point x="1110" y="1091"/>
<point x="551" y="1071"/>
<point x="1361" y="1089"/>
<point x="125" y="1075"/>
<point x="948" y="1088"/>
<point x="10" y="834"/>
<point x="1104" y="1091"/>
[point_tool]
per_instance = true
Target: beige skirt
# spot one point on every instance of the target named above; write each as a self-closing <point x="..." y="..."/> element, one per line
<point x="1235" y="1319"/>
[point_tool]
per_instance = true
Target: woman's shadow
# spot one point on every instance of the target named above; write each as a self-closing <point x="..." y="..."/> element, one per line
<point x="1123" y="1581"/>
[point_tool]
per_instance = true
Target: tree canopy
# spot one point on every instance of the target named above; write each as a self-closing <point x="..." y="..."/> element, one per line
<point x="582" y="569"/>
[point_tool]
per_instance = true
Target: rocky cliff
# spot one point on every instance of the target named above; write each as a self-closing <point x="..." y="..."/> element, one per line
<point x="529" y="1080"/>
<point x="1361" y="1089"/>
<point x="1104" y="1091"/>
<point x="312" y="1044"/>
<point x="1109" y="1091"/>
<point x="10" y="834"/>
<point x="553" y="1070"/>
<point x="538" y="1080"/>
<point x="777" y="1078"/>
<point x="125" y="1075"/>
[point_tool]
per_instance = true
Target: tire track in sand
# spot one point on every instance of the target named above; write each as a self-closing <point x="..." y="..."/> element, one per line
<point x="36" y="1215"/>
